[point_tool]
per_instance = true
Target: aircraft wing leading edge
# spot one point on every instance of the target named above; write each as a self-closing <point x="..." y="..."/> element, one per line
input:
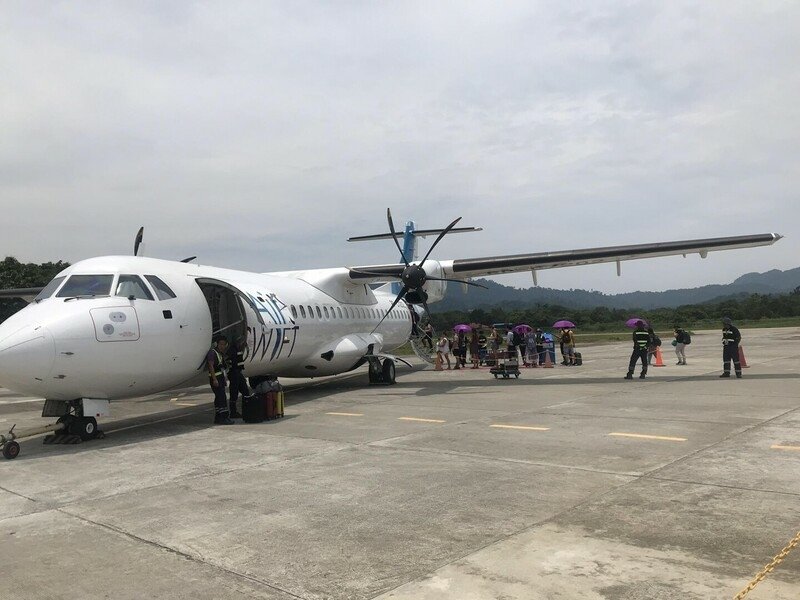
<point x="496" y="265"/>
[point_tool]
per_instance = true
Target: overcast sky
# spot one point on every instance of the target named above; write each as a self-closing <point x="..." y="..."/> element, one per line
<point x="261" y="135"/>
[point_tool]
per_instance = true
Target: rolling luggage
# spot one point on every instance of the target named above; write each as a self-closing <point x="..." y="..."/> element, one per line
<point x="578" y="359"/>
<point x="254" y="409"/>
<point x="270" y="404"/>
<point x="279" y="404"/>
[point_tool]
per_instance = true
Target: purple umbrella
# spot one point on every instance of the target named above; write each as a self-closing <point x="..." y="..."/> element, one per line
<point x="632" y="322"/>
<point x="462" y="328"/>
<point x="522" y="329"/>
<point x="563" y="324"/>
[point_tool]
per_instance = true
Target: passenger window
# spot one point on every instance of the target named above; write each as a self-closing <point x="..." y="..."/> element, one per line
<point x="325" y="308"/>
<point x="319" y="312"/>
<point x="48" y="290"/>
<point x="132" y="285"/>
<point x="163" y="291"/>
<point x="294" y="311"/>
<point x="339" y="312"/>
<point x="302" y="311"/>
<point x="86" y="285"/>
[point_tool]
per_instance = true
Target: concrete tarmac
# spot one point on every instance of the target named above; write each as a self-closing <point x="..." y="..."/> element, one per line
<point x="568" y="483"/>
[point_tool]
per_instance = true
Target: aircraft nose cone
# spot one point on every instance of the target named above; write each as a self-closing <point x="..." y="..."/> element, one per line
<point x="26" y="356"/>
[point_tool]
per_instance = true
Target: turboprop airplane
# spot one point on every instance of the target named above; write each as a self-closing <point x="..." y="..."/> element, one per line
<point x="117" y="327"/>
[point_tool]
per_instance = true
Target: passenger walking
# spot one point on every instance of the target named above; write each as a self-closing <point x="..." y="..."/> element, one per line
<point x="443" y="350"/>
<point x="236" y="380"/>
<point x="641" y="340"/>
<point x="215" y="363"/>
<point x="531" y="357"/>
<point x="653" y="345"/>
<point x="475" y="350"/>
<point x="462" y="347"/>
<point x="494" y="345"/>
<point x="512" y="349"/>
<point x="427" y="338"/>
<point x="540" y="340"/>
<point x="682" y="338"/>
<point x="456" y="350"/>
<point x="730" y="348"/>
<point x="568" y="341"/>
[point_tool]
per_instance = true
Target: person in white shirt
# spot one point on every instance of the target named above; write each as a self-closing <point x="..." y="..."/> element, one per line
<point x="443" y="350"/>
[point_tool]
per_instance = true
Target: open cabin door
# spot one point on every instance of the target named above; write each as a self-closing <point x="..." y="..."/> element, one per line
<point x="228" y="306"/>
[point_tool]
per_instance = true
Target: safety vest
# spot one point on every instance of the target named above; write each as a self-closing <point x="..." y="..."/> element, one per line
<point x="239" y="364"/>
<point x="641" y="339"/>
<point x="218" y="369"/>
<point x="728" y="336"/>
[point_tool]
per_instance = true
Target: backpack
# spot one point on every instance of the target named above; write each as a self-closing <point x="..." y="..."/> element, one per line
<point x="656" y="340"/>
<point x="687" y="339"/>
<point x="517" y="339"/>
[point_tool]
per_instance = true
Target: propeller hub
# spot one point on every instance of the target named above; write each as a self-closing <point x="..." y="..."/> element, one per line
<point x="413" y="277"/>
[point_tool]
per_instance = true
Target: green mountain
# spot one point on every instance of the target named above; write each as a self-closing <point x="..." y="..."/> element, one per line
<point x="771" y="282"/>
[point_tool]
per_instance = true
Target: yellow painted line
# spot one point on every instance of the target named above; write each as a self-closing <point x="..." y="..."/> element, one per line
<point x="649" y="437"/>
<point x="185" y="404"/>
<point x="526" y="427"/>
<point x="338" y="414"/>
<point x="779" y="447"/>
<point x="421" y="420"/>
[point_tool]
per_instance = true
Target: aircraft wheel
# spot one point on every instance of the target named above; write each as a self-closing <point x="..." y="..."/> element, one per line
<point x="388" y="371"/>
<point x="11" y="450"/>
<point x="85" y="427"/>
<point x="374" y="372"/>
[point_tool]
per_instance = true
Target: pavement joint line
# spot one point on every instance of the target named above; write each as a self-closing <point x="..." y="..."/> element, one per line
<point x="420" y="420"/>
<point x="12" y="492"/>
<point x="345" y="414"/>
<point x="635" y="418"/>
<point x="723" y="486"/>
<point x="525" y="427"/>
<point x="783" y="447"/>
<point x="179" y="553"/>
<point x="645" y="436"/>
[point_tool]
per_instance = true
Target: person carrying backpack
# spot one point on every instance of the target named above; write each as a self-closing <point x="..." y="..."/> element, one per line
<point x="682" y="339"/>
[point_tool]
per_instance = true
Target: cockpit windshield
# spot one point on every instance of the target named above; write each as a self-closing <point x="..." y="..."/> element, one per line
<point x="48" y="290"/>
<point x="86" y="285"/>
<point x="132" y="286"/>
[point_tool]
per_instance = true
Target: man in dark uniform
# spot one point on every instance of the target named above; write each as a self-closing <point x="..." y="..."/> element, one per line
<point x="215" y="362"/>
<point x="236" y="380"/>
<point x="641" y="340"/>
<point x="540" y="346"/>
<point x="730" y="349"/>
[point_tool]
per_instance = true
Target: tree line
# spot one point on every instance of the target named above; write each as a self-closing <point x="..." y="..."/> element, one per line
<point x="14" y="274"/>
<point x="746" y="308"/>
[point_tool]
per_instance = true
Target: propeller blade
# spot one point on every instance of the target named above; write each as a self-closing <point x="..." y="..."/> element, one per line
<point x="396" y="300"/>
<point x="439" y="239"/>
<point x="394" y="235"/>
<point x="457" y="281"/>
<point x="374" y="273"/>
<point x="138" y="241"/>
<point x="190" y="259"/>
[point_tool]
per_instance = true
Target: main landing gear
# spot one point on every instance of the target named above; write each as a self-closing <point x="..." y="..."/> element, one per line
<point x="72" y="426"/>
<point x="381" y="372"/>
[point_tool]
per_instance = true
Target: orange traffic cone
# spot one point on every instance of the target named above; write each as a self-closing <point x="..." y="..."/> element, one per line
<point x="548" y="364"/>
<point x="437" y="363"/>
<point x="742" y="361"/>
<point x="659" y="358"/>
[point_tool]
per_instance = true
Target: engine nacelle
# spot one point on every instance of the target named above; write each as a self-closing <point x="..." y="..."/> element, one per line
<point x="434" y="289"/>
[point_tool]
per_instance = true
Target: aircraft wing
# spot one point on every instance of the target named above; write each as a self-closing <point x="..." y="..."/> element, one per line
<point x="465" y="268"/>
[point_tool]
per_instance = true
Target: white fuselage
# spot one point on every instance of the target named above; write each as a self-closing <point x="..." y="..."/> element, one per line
<point x="114" y="347"/>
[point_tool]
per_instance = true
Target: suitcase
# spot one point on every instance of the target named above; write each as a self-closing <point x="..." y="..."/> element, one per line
<point x="279" y="404"/>
<point x="270" y="404"/>
<point x="254" y="409"/>
<point x="578" y="359"/>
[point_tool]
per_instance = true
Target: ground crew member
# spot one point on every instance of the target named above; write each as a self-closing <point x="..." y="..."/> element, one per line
<point x="235" y="356"/>
<point x="215" y="363"/>
<point x="730" y="348"/>
<point x="641" y="340"/>
<point x="540" y="346"/>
